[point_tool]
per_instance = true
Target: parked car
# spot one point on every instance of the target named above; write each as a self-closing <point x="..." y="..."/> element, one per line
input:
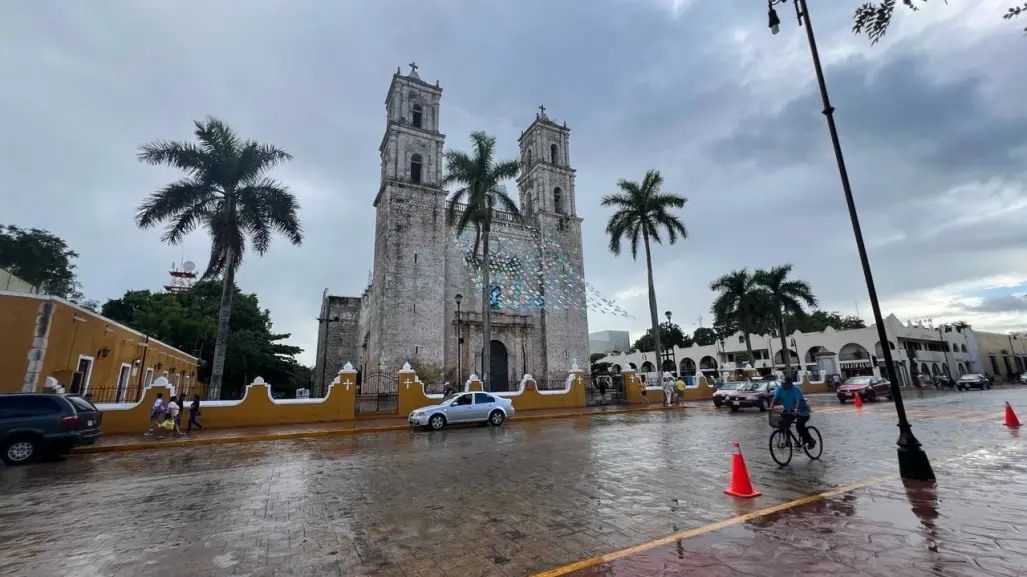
<point x="1023" y="379"/>
<point x="720" y="395"/>
<point x="38" y="425"/>
<point x="973" y="381"/>
<point x="463" y="408"/>
<point x="944" y="382"/>
<point x="752" y="394"/>
<point x="868" y="389"/>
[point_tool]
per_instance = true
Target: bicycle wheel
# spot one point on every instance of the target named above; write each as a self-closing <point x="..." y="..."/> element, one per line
<point x="781" y="447"/>
<point x="819" y="449"/>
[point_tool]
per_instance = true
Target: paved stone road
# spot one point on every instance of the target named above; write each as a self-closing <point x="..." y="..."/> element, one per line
<point x="480" y="501"/>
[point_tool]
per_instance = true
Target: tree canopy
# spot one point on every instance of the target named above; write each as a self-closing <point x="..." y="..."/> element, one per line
<point x="40" y="258"/>
<point x="874" y="18"/>
<point x="671" y="335"/>
<point x="818" y="320"/>
<point x="189" y="321"/>
<point x="705" y="336"/>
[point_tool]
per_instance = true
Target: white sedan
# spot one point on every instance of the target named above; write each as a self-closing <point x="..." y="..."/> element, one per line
<point x="459" y="408"/>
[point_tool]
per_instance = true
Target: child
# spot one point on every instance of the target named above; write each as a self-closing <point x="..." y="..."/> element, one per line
<point x="194" y="415"/>
<point x="166" y="424"/>
<point x="156" y="413"/>
<point x="645" y="399"/>
<point x="174" y="415"/>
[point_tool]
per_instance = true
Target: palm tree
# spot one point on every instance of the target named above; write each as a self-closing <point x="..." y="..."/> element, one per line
<point x="741" y="303"/>
<point x="227" y="191"/>
<point x="642" y="211"/>
<point x="785" y="297"/>
<point x="481" y="193"/>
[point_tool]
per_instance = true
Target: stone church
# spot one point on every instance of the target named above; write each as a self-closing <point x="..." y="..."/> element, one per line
<point x="410" y="311"/>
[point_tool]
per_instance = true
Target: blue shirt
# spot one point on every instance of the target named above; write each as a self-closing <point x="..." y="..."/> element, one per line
<point x="790" y="398"/>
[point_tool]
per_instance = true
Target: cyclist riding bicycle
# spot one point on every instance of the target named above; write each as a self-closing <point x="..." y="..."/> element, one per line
<point x="795" y="408"/>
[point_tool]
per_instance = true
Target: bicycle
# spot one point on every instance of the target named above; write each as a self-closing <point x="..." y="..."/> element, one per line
<point x="783" y="443"/>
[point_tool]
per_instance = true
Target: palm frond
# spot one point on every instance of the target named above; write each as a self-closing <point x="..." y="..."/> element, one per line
<point x="182" y="155"/>
<point x="170" y="201"/>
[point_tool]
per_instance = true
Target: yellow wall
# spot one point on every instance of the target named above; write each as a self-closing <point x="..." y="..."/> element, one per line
<point x="633" y="390"/>
<point x="68" y="339"/>
<point x="989" y="344"/>
<point x="254" y="410"/>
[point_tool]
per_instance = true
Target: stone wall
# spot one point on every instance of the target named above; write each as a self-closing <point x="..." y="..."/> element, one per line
<point x="341" y="330"/>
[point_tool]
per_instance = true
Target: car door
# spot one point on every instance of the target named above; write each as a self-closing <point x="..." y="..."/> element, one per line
<point x="460" y="409"/>
<point x="483" y="405"/>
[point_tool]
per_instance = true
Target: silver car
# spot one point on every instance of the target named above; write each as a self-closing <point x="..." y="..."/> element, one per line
<point x="463" y="408"/>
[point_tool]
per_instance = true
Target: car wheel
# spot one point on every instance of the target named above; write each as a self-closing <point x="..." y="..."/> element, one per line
<point x="871" y="397"/>
<point x="497" y="418"/>
<point x="716" y="404"/>
<point x="763" y="405"/>
<point x="436" y="422"/>
<point x="841" y="400"/>
<point x="734" y="409"/>
<point x="19" y="450"/>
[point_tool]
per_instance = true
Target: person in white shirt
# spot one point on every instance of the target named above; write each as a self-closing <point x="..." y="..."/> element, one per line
<point x="156" y="413"/>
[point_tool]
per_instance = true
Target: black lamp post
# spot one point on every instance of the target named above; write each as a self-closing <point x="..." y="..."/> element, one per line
<point x="459" y="341"/>
<point x="913" y="461"/>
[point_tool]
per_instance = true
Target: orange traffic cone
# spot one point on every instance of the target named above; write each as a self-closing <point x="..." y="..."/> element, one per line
<point x="741" y="486"/>
<point x="858" y="401"/>
<point x="1011" y="420"/>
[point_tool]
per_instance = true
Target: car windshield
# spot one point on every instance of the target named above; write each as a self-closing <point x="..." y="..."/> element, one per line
<point x="81" y="405"/>
<point x="751" y="387"/>
<point x="858" y="381"/>
<point x="449" y="398"/>
<point x="970" y="377"/>
<point x="730" y="386"/>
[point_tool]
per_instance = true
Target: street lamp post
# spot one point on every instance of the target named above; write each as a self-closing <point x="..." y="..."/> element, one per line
<point x="459" y="340"/>
<point x="913" y="461"/>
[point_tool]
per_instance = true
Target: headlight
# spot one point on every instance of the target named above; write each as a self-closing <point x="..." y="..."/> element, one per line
<point x="417" y="414"/>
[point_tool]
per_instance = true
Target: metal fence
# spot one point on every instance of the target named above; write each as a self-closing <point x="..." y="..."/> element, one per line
<point x="605" y="390"/>
<point x="552" y="384"/>
<point x="129" y="393"/>
<point x="436" y="388"/>
<point x="377" y="392"/>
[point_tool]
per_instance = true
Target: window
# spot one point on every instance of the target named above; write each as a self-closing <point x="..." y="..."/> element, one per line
<point x="178" y="378"/>
<point x="185" y="389"/>
<point x="482" y="399"/>
<point x="558" y="200"/>
<point x="149" y="377"/>
<point x="529" y="157"/>
<point x="415" y="168"/>
<point x="18" y="406"/>
<point x="418" y="116"/>
<point x="552" y="154"/>
<point x="462" y="400"/>
<point x="81" y="405"/>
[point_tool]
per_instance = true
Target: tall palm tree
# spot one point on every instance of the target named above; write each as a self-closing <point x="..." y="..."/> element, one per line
<point x="480" y="177"/>
<point x="741" y="303"/>
<point x="785" y="297"/>
<point x="642" y="212"/>
<point x="227" y="191"/>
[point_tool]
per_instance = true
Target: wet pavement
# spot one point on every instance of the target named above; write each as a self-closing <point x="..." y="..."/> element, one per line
<point x="525" y="498"/>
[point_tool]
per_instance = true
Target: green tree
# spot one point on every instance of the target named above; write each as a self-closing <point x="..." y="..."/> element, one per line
<point x="594" y="357"/>
<point x="41" y="259"/>
<point x="479" y="177"/>
<point x="642" y="212"/>
<point x="227" y="191"/>
<point x="785" y="297"/>
<point x="189" y="321"/>
<point x="874" y="18"/>
<point x="741" y="303"/>
<point x="671" y="335"/>
<point x="818" y="320"/>
<point x="705" y="336"/>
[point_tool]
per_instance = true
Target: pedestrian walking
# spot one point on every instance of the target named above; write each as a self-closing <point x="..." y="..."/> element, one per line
<point x="645" y="398"/>
<point x="174" y="415"/>
<point x="679" y="391"/>
<point x="601" y="385"/>
<point x="157" y="411"/>
<point x="194" y="415"/>
<point x="668" y="391"/>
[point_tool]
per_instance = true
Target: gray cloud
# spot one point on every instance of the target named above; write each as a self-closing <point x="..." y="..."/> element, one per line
<point x="724" y="110"/>
<point x="1006" y="304"/>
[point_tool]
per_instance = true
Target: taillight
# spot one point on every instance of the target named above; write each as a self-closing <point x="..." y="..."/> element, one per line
<point x="69" y="421"/>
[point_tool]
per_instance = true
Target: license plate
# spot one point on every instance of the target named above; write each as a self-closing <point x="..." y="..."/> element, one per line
<point x="850" y="394"/>
<point x="736" y="403"/>
<point x="90" y="423"/>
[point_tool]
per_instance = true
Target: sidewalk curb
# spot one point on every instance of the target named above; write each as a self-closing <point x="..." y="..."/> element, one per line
<point x="195" y="441"/>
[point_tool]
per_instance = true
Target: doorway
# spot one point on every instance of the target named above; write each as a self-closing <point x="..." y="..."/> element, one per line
<point x="80" y="380"/>
<point x="499" y="369"/>
<point x="126" y="370"/>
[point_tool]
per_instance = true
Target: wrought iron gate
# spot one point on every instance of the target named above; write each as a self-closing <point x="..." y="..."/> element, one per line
<point x="377" y="392"/>
<point x="611" y="394"/>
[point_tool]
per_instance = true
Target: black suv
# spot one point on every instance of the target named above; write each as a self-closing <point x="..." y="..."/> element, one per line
<point x="35" y="425"/>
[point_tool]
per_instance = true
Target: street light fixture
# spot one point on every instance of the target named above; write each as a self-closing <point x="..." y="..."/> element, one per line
<point x="913" y="461"/>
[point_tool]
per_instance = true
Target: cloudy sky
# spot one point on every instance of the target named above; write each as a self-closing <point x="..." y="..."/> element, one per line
<point x="932" y="122"/>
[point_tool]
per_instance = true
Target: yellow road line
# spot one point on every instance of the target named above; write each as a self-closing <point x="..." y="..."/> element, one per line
<point x="670" y="539"/>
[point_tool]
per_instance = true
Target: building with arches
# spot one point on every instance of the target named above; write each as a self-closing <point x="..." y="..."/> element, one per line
<point x="410" y="311"/>
<point x="915" y="348"/>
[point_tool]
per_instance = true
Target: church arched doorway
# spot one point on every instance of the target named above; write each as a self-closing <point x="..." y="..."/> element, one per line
<point x="499" y="368"/>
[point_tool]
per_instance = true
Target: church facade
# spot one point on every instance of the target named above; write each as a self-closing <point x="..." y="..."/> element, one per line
<point x="422" y="304"/>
